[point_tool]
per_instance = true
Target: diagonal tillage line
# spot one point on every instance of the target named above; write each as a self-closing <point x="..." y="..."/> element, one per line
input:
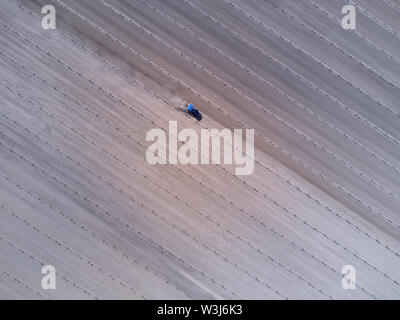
<point x="297" y="103"/>
<point x="71" y="251"/>
<point x="270" y="113"/>
<point x="375" y="19"/>
<point x="278" y="234"/>
<point x="307" y="110"/>
<point x="111" y="155"/>
<point x="179" y="53"/>
<point x="392" y="4"/>
<point x="181" y="83"/>
<point x="337" y="47"/>
<point x="41" y="263"/>
<point x="174" y="196"/>
<point x="248" y="15"/>
<point x="110" y="184"/>
<point x="30" y="102"/>
<point x="298" y="132"/>
<point x="106" y="242"/>
<point x="357" y="228"/>
<point x="23" y="284"/>
<point x="123" y="223"/>
<point x="197" y="37"/>
<point x="117" y="190"/>
<point x="341" y="50"/>
<point x="325" y="236"/>
<point x="278" y="36"/>
<point x="364" y="38"/>
<point x="75" y="132"/>
<point x="297" y="188"/>
<point x="274" y="260"/>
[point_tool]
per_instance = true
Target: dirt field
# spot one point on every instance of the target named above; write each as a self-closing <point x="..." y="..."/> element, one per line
<point x="76" y="191"/>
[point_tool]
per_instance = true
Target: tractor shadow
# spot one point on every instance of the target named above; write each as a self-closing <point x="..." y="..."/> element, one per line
<point x="187" y="115"/>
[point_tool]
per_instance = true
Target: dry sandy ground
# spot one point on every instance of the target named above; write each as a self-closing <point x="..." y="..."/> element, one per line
<point x="77" y="192"/>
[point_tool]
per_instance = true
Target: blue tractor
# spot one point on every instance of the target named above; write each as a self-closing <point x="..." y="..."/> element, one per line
<point x="194" y="112"/>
